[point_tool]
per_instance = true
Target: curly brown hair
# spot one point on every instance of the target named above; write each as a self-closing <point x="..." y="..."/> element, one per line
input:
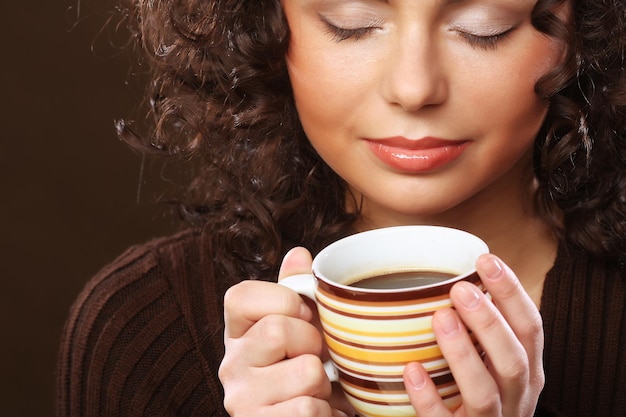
<point x="220" y="97"/>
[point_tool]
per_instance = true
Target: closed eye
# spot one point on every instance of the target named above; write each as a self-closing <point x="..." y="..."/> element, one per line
<point x="343" y="33"/>
<point x="487" y="42"/>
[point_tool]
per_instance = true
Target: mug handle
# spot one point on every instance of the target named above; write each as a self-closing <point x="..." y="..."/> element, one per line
<point x="306" y="284"/>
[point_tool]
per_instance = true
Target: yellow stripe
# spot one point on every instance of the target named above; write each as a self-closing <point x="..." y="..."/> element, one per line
<point x="366" y="408"/>
<point x="381" y="340"/>
<point x="370" y="414"/>
<point x="362" y="395"/>
<point x="388" y="370"/>
<point x="383" y="356"/>
<point x="364" y="332"/>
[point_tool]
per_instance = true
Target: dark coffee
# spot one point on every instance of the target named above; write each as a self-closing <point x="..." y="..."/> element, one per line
<point x="406" y="279"/>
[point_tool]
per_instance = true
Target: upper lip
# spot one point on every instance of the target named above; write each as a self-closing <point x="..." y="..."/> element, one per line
<point x="416" y="144"/>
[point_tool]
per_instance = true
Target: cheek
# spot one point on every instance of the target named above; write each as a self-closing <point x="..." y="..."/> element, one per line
<point x="506" y="98"/>
<point x="537" y="56"/>
<point x="327" y="90"/>
<point x="329" y="79"/>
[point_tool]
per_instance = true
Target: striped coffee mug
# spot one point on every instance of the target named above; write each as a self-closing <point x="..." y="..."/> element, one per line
<point x="372" y="333"/>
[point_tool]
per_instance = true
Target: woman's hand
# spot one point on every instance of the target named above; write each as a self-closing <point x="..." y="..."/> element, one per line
<point x="509" y="380"/>
<point x="272" y="364"/>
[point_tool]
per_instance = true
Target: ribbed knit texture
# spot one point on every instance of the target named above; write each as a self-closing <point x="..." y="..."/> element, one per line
<point x="145" y="337"/>
<point x="585" y="336"/>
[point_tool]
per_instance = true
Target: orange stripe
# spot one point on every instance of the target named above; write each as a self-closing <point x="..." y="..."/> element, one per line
<point x="384" y="356"/>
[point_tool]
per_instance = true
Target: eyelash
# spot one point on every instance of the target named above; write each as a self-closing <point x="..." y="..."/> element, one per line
<point x="341" y="34"/>
<point x="488" y="42"/>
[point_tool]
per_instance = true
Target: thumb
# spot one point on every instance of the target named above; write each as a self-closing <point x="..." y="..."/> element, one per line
<point x="297" y="261"/>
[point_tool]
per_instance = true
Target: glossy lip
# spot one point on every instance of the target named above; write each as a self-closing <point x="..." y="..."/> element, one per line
<point x="419" y="155"/>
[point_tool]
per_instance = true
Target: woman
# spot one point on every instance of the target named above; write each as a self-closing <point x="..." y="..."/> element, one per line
<point x="310" y="120"/>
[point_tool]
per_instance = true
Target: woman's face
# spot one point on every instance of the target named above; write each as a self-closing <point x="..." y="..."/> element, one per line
<point x="422" y="106"/>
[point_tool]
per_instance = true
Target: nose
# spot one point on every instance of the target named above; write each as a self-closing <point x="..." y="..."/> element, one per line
<point x="413" y="75"/>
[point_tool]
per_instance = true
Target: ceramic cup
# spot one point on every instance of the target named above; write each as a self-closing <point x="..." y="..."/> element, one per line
<point x="372" y="333"/>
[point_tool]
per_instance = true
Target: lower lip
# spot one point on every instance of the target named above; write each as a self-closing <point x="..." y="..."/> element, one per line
<point x="417" y="160"/>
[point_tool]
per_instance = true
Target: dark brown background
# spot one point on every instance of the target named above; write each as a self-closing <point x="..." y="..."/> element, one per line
<point x="68" y="199"/>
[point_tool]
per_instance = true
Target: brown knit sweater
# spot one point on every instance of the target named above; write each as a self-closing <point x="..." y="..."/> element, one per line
<point x="144" y="338"/>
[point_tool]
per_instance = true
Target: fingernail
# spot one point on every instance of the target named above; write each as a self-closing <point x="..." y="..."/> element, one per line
<point x="416" y="379"/>
<point x="305" y="312"/>
<point x="447" y="322"/>
<point x="468" y="295"/>
<point x="492" y="268"/>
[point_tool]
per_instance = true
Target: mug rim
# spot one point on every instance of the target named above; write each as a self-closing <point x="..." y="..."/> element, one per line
<point x="467" y="275"/>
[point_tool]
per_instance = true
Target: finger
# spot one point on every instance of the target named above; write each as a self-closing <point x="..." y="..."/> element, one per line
<point x="276" y="337"/>
<point x="302" y="376"/>
<point x="299" y="406"/>
<point x="423" y="394"/>
<point x="466" y="364"/>
<point x="520" y="367"/>
<point x="302" y="407"/>
<point x="249" y="301"/>
<point x="508" y="360"/>
<point x="513" y="302"/>
<point x="297" y="261"/>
